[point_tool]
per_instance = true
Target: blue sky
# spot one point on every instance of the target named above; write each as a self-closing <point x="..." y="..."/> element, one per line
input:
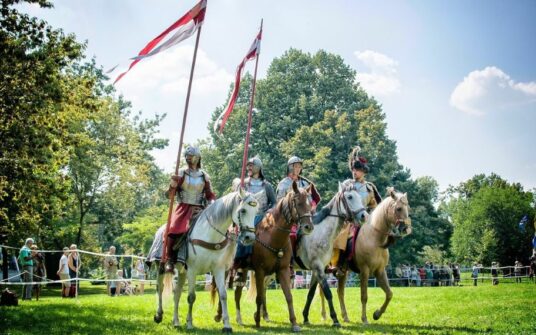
<point x="456" y="79"/>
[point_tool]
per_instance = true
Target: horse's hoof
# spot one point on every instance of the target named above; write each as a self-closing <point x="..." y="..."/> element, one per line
<point x="323" y="317"/>
<point x="266" y="318"/>
<point x="296" y="329"/>
<point x="189" y="327"/>
<point x="306" y="323"/>
<point x="365" y="322"/>
<point x="226" y="330"/>
<point x="217" y="318"/>
<point x="336" y="324"/>
<point x="157" y="318"/>
<point x="377" y="315"/>
<point x="346" y="320"/>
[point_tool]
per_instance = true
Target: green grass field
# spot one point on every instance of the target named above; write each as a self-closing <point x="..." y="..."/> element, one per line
<point x="504" y="309"/>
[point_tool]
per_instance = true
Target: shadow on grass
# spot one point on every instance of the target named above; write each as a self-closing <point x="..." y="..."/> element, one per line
<point x="386" y="328"/>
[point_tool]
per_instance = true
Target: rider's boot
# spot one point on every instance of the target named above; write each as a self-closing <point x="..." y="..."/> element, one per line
<point x="171" y="254"/>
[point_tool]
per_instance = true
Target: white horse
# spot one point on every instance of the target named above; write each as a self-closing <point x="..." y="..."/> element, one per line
<point x="210" y="249"/>
<point x="314" y="250"/>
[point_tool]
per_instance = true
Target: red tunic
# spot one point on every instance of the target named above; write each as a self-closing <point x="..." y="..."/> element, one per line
<point x="180" y="218"/>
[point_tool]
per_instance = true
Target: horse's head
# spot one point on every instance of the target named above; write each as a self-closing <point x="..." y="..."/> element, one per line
<point x="352" y="205"/>
<point x="399" y="211"/>
<point x="300" y="208"/>
<point x="244" y="216"/>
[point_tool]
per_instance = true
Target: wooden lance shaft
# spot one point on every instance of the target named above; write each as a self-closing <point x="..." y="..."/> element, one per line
<point x="184" y="117"/>
<point x="251" y="101"/>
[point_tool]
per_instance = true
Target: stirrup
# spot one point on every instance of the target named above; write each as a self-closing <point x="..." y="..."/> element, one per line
<point x="170" y="266"/>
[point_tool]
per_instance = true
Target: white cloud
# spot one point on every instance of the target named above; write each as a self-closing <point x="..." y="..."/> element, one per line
<point x="159" y="84"/>
<point x="382" y="78"/>
<point x="170" y="71"/>
<point x="491" y="89"/>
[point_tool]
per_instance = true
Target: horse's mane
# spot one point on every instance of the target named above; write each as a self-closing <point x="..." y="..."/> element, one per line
<point x="269" y="222"/>
<point x="324" y="212"/>
<point x="222" y="208"/>
<point x="380" y="212"/>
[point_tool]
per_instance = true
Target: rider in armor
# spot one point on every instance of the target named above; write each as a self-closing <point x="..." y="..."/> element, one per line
<point x="194" y="193"/>
<point x="256" y="184"/>
<point x="369" y="195"/>
<point x="294" y="169"/>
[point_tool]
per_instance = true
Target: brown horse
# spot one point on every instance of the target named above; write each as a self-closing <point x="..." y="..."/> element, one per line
<point x="389" y="220"/>
<point x="272" y="251"/>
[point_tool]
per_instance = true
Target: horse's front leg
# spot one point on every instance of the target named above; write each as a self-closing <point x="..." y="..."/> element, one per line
<point x="364" y="276"/>
<point x="327" y="293"/>
<point x="237" y="296"/>
<point x="219" y="276"/>
<point x="191" y="299"/>
<point x="159" y="288"/>
<point x="340" y="292"/>
<point x="259" y="300"/>
<point x="177" y="297"/>
<point x="310" y="296"/>
<point x="384" y="284"/>
<point x="284" y="280"/>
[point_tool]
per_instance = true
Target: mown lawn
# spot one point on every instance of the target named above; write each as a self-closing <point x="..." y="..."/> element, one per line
<point x="504" y="309"/>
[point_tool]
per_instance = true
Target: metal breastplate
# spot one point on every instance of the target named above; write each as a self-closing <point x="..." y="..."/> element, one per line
<point x="191" y="191"/>
<point x="255" y="186"/>
<point x="286" y="185"/>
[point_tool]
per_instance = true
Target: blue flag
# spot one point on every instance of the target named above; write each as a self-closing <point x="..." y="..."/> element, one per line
<point x="523" y="222"/>
<point x="534" y="241"/>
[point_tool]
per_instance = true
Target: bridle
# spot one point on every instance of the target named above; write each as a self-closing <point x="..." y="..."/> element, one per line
<point x="291" y="214"/>
<point x="227" y="235"/>
<point x="394" y="228"/>
<point x="349" y="215"/>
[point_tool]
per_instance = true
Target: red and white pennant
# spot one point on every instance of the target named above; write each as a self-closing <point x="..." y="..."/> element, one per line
<point x="254" y="50"/>
<point x="183" y="28"/>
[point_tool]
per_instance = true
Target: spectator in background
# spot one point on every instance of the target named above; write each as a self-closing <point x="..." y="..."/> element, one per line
<point x="495" y="273"/>
<point x="429" y="276"/>
<point x="73" y="261"/>
<point x="110" y="267"/>
<point x="474" y="274"/>
<point x="415" y="278"/>
<point x="40" y="271"/>
<point x="456" y="274"/>
<point x="398" y="272"/>
<point x="140" y="268"/>
<point x="532" y="268"/>
<point x="63" y="273"/>
<point x="406" y="274"/>
<point x="517" y="271"/>
<point x="422" y="275"/>
<point x="26" y="262"/>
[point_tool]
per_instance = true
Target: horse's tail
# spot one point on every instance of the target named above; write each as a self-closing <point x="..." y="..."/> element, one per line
<point x="168" y="283"/>
<point x="252" y="291"/>
<point x="213" y="290"/>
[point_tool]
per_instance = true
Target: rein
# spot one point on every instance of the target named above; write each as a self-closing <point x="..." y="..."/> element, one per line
<point x="228" y="237"/>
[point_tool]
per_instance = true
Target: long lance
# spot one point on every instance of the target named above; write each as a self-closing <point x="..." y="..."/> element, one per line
<point x="251" y="101"/>
<point x="173" y="189"/>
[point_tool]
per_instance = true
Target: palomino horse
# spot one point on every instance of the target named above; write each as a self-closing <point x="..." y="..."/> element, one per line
<point x="272" y="251"/>
<point x="314" y="250"/>
<point x="388" y="220"/>
<point x="210" y="248"/>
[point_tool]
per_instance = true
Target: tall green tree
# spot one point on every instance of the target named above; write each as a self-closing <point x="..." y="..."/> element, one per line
<point x="33" y="128"/>
<point x="485" y="212"/>
<point x="312" y="106"/>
